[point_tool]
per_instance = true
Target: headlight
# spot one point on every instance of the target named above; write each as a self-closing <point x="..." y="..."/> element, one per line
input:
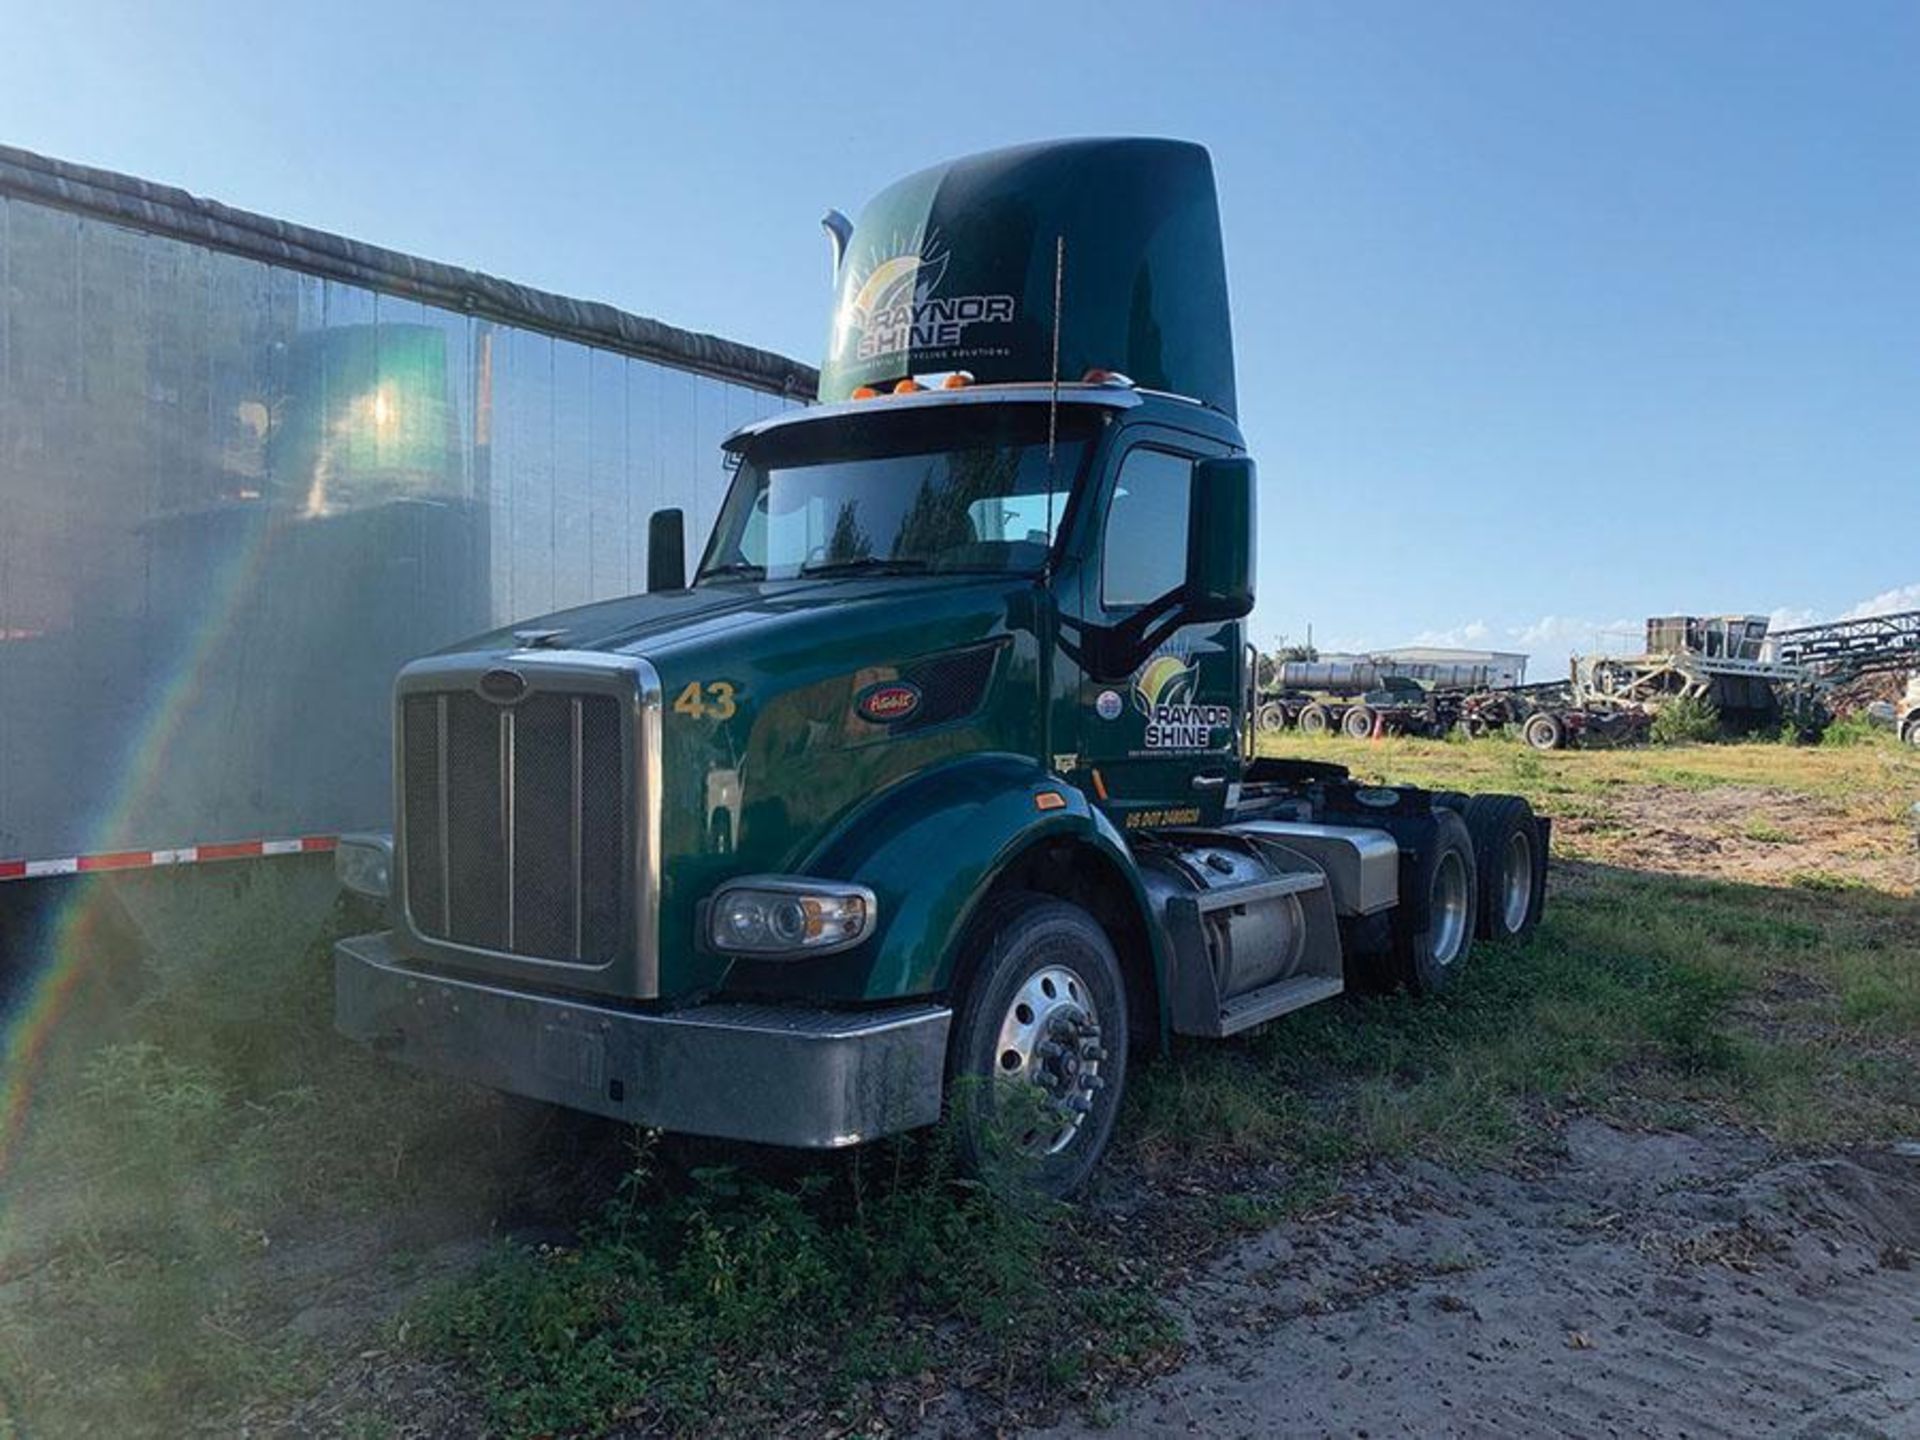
<point x="364" y="864"/>
<point x="773" y="915"/>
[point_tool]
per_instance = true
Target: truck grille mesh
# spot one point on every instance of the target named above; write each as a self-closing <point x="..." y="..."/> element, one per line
<point x="513" y="836"/>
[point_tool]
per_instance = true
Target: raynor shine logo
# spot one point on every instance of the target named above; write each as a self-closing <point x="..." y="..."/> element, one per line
<point x="1163" y="692"/>
<point x="890" y="304"/>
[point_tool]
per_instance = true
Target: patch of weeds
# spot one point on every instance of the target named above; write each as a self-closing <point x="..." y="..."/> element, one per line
<point x="1857" y="728"/>
<point x="175" y="1141"/>
<point x="1826" y="882"/>
<point x="718" y="1293"/>
<point x="1765" y="832"/>
<point x="1686" y="720"/>
<point x="1254" y="1210"/>
<point x="1689" y="1023"/>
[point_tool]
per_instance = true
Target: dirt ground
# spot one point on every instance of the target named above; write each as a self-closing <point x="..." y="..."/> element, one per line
<point x="1634" y="1283"/>
<point x="1756" y="834"/>
<point x="1639" y="1284"/>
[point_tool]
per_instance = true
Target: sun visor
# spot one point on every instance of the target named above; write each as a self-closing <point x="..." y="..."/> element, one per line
<point x="954" y="269"/>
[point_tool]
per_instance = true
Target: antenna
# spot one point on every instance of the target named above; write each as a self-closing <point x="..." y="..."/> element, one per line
<point x="1053" y="393"/>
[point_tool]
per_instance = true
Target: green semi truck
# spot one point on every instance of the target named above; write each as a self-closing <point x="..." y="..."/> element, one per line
<point x="931" y="793"/>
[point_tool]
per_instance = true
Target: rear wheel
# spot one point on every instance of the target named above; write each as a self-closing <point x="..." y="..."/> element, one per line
<point x="1315" y="719"/>
<point x="1358" y="723"/>
<point x="1913" y="730"/>
<point x="1271" y="718"/>
<point x="1038" y="1053"/>
<point x="1545" y="731"/>
<point x="1434" y="923"/>
<point x="1512" y="865"/>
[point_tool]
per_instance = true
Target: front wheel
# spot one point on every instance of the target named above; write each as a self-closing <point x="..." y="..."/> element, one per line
<point x="1038" y="1054"/>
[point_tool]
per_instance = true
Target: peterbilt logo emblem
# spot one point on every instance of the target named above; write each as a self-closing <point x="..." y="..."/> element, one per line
<point x="888" y="702"/>
<point x="503" y="686"/>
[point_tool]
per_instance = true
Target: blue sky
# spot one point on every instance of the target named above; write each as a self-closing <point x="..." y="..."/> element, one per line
<point x="1548" y="317"/>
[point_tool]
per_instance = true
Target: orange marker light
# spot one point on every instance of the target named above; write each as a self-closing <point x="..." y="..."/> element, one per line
<point x="1049" y="800"/>
<point x="908" y="386"/>
<point x="958" y="380"/>
<point x="1099" y="785"/>
<point x="864" y="392"/>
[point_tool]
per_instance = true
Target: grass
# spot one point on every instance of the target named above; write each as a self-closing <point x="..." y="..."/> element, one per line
<point x="196" y="1139"/>
<point x="208" y="1175"/>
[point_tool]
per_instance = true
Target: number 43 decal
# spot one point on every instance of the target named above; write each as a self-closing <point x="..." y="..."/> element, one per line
<point x="711" y="701"/>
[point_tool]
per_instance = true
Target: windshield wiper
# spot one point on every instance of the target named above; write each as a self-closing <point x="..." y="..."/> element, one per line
<point x="732" y="567"/>
<point x="866" y="565"/>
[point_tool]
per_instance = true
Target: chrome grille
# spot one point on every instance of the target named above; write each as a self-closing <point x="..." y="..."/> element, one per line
<point x="514" y="838"/>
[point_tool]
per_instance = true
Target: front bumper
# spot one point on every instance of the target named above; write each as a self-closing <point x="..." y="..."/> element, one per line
<point x="775" y="1074"/>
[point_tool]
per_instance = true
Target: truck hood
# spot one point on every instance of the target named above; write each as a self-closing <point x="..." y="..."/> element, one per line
<point x="650" y="623"/>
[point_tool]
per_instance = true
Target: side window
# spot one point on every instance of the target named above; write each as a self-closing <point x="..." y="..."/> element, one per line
<point x="1146" y="546"/>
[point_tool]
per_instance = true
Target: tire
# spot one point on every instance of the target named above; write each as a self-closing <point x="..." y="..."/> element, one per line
<point x="1512" y="864"/>
<point x="1271" y="718"/>
<point x="1545" y="731"/>
<point x="1912" y="732"/>
<point x="1031" y="1124"/>
<point x="1315" y="719"/>
<point x="1358" y="723"/>
<point x="1455" y="800"/>
<point x="1434" y="922"/>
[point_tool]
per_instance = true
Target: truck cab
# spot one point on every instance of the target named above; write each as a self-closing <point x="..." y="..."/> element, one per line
<point x="930" y="792"/>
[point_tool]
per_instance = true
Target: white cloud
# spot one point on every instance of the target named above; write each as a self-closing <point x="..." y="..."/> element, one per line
<point x="1471" y="636"/>
<point x="1786" y="618"/>
<point x="1887" y="602"/>
<point x="1561" y="635"/>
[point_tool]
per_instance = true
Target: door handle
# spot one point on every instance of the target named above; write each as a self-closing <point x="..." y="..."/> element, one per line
<point x="1209" y="782"/>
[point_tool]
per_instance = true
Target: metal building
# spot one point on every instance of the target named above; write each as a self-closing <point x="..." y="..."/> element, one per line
<point x="248" y="469"/>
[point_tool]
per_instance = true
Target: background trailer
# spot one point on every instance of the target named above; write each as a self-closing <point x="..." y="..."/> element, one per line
<point x="248" y="469"/>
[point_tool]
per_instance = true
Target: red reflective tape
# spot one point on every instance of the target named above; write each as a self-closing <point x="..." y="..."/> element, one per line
<point x="150" y="859"/>
<point x="235" y="850"/>
<point x="117" y="860"/>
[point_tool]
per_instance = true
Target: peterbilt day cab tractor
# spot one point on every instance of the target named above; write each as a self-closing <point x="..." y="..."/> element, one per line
<point x="930" y="793"/>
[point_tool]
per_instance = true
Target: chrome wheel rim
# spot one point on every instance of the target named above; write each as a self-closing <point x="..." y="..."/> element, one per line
<point x="1448" y="908"/>
<point x="1046" y="1063"/>
<point x="1516" y="877"/>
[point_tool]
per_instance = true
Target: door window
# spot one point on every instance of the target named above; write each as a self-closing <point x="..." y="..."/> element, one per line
<point x="1146" y="546"/>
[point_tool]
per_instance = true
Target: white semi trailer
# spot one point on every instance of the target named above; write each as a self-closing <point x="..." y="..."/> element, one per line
<point x="248" y="469"/>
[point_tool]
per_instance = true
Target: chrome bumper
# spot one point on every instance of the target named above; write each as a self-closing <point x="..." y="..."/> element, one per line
<point x="774" y="1074"/>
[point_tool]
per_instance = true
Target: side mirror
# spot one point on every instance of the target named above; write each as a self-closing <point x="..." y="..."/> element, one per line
<point x="667" y="550"/>
<point x="1220" y="540"/>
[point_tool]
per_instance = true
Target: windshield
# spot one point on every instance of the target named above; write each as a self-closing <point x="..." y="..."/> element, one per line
<point x="969" y="490"/>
